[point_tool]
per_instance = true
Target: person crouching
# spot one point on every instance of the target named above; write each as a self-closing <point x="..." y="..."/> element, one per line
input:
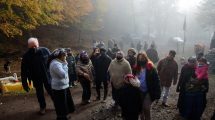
<point x="63" y="101"/>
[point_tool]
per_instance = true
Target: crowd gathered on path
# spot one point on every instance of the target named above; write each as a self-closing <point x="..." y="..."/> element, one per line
<point x="135" y="80"/>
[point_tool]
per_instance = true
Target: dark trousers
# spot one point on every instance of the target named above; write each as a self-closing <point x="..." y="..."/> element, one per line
<point x="38" y="84"/>
<point x="114" y="94"/>
<point x="72" y="78"/>
<point x="63" y="103"/>
<point x="98" y="87"/>
<point x="86" y="89"/>
<point x="195" y="104"/>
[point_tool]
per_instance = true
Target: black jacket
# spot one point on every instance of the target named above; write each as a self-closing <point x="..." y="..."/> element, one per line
<point x="34" y="66"/>
<point x="152" y="81"/>
<point x="101" y="67"/>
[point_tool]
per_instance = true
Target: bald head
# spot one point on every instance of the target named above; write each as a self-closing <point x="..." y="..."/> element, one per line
<point x="33" y="43"/>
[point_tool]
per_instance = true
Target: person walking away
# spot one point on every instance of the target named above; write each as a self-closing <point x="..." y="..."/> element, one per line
<point x="101" y="68"/>
<point x="168" y="72"/>
<point x="34" y="68"/>
<point x="71" y="67"/>
<point x="139" y="46"/>
<point x="119" y="67"/>
<point x="149" y="84"/>
<point x="63" y="101"/>
<point x="152" y="54"/>
<point x="85" y="72"/>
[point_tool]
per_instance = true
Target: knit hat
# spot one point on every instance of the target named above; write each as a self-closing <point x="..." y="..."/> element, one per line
<point x="58" y="52"/>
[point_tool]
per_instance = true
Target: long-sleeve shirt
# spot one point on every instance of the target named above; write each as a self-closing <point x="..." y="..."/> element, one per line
<point x="59" y="75"/>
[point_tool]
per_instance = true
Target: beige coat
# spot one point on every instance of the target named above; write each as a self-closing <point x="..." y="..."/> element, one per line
<point x="117" y="71"/>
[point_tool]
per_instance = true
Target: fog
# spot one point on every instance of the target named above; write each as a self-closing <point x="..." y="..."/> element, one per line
<point x="158" y="21"/>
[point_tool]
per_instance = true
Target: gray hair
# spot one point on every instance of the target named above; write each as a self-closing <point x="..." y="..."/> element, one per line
<point x="34" y="41"/>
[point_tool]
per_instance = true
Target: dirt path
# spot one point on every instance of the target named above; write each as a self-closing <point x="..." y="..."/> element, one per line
<point x="25" y="107"/>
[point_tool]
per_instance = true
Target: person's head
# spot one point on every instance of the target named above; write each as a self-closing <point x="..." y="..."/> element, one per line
<point x="192" y="61"/>
<point x="200" y="55"/>
<point x="102" y="50"/>
<point x="142" y="59"/>
<point x="84" y="58"/>
<point x="172" y="54"/>
<point x="131" y="52"/>
<point x="202" y="61"/>
<point x="33" y="43"/>
<point x="96" y="51"/>
<point x="60" y="54"/>
<point x="119" y="55"/>
<point x="68" y="51"/>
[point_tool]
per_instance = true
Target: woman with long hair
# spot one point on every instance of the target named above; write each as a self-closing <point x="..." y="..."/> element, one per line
<point x="149" y="83"/>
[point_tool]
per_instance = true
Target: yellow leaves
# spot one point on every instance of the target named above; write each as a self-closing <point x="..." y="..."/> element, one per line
<point x="19" y="15"/>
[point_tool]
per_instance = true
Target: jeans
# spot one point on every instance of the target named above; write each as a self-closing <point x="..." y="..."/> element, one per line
<point x="165" y="93"/>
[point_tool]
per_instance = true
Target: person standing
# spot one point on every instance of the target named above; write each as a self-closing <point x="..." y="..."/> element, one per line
<point x="119" y="67"/>
<point x="149" y="84"/>
<point x="152" y="54"/>
<point x="85" y="72"/>
<point x="63" y="101"/>
<point x="131" y="57"/>
<point x="71" y="67"/>
<point x="34" y="67"/>
<point x="168" y="73"/>
<point x="192" y="92"/>
<point x="101" y="68"/>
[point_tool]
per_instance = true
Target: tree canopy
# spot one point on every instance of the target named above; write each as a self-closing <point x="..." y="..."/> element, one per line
<point x="206" y="14"/>
<point x="19" y="15"/>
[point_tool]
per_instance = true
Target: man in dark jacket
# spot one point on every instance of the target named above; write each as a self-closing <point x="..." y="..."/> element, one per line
<point x="34" y="67"/>
<point x="168" y="74"/>
<point x="152" y="54"/>
<point x="101" y="68"/>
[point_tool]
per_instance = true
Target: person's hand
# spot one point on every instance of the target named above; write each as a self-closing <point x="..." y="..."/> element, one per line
<point x="86" y="76"/>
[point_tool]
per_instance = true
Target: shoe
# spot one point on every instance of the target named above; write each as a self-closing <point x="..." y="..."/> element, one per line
<point x="42" y="111"/>
<point x="165" y="105"/>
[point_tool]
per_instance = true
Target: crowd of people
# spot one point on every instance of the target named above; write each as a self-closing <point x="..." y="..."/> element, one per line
<point x="135" y="80"/>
